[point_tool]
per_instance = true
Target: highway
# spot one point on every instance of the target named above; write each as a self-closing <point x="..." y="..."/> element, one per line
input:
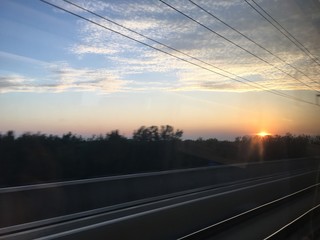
<point x="248" y="201"/>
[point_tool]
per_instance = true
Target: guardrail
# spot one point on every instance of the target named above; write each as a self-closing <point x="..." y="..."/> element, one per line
<point x="203" y="188"/>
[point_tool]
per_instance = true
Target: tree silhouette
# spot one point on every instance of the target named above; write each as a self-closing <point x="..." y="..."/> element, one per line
<point x="35" y="158"/>
<point x="114" y="136"/>
<point x="167" y="133"/>
<point x="148" y="134"/>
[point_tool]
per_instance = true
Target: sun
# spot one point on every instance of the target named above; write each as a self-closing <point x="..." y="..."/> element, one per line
<point x="263" y="134"/>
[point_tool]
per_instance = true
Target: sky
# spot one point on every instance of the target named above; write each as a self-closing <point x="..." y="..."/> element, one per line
<point x="61" y="73"/>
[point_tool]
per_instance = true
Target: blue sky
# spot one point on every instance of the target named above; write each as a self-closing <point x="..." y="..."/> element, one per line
<point x="59" y="73"/>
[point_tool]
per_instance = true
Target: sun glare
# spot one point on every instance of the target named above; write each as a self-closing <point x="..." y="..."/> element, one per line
<point x="263" y="134"/>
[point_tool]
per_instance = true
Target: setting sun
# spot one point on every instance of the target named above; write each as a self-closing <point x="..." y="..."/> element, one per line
<point x="263" y="134"/>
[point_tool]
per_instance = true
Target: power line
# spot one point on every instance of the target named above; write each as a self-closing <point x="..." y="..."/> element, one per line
<point x="237" y="45"/>
<point x="176" y="50"/>
<point x="172" y="55"/>
<point x="302" y="47"/>
<point x="250" y="39"/>
<point x="143" y="43"/>
<point x="306" y="49"/>
<point x="260" y="86"/>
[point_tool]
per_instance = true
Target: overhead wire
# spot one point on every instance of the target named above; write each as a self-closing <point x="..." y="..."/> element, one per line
<point x="167" y="53"/>
<point x="143" y="43"/>
<point x="176" y="50"/>
<point x="251" y="40"/>
<point x="260" y="86"/>
<point x="235" y="44"/>
<point x="138" y="41"/>
<point x="292" y="39"/>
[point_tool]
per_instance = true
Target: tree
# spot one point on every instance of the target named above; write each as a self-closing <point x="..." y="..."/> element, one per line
<point x="152" y="134"/>
<point x="114" y="136"/>
<point x="142" y="134"/>
<point x="167" y="133"/>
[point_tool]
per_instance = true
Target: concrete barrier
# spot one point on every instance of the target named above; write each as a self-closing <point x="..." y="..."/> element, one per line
<point x="24" y="204"/>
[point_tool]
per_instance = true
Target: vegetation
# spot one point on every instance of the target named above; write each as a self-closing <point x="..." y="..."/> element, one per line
<point x="34" y="158"/>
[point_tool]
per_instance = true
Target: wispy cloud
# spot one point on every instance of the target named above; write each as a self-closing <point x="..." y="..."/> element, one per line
<point x="86" y="49"/>
<point x="163" y="24"/>
<point x="100" y="80"/>
<point x="14" y="83"/>
<point x="59" y="77"/>
<point x="122" y="62"/>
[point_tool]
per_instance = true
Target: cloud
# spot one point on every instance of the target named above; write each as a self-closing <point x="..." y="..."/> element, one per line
<point x="123" y="63"/>
<point x="167" y="26"/>
<point x="8" y="83"/>
<point x="100" y="80"/>
<point x="19" y="58"/>
<point x="61" y="77"/>
<point x="86" y="49"/>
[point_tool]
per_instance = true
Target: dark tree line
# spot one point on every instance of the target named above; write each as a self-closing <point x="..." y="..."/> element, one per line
<point x="34" y="158"/>
<point x="256" y="148"/>
<point x="153" y="133"/>
<point x="277" y="147"/>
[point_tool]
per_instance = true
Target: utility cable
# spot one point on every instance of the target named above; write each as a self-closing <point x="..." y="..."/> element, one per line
<point x="251" y="40"/>
<point x="302" y="48"/>
<point x="185" y="54"/>
<point x="176" y="50"/>
<point x="237" y="45"/>
<point x="167" y="53"/>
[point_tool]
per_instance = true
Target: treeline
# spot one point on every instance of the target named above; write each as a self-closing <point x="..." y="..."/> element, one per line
<point x="277" y="147"/>
<point x="35" y="158"/>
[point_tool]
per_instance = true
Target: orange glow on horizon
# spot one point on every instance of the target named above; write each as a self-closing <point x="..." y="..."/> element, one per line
<point x="263" y="134"/>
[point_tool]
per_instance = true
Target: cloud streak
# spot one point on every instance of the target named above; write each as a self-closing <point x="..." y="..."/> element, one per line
<point x="176" y="31"/>
<point x="123" y="63"/>
<point x="60" y="77"/>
